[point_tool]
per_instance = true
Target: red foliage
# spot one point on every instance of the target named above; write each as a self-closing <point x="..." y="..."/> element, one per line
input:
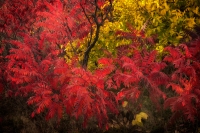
<point x="19" y="16"/>
<point x="139" y="71"/>
<point x="57" y="86"/>
<point x="31" y="64"/>
<point x="185" y="80"/>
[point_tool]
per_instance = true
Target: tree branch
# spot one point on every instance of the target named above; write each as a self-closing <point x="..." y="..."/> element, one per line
<point x="99" y="19"/>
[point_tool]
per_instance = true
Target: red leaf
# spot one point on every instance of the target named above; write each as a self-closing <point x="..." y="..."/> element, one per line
<point x="105" y="61"/>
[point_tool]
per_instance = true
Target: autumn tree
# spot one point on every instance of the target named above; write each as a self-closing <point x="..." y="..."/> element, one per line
<point x="46" y="46"/>
<point x="32" y="58"/>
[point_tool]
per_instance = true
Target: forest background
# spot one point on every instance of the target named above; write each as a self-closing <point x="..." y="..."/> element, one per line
<point x="99" y="66"/>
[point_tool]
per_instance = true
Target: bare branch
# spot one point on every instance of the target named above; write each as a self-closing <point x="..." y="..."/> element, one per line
<point x="99" y="19"/>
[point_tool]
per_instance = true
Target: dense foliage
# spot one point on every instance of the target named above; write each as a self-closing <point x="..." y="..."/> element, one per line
<point x="47" y="46"/>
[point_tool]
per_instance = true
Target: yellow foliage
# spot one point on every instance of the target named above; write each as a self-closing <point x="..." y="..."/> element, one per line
<point x="166" y="19"/>
<point x="138" y="119"/>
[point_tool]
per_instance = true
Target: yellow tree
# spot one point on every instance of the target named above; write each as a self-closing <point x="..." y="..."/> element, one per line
<point x="168" y="19"/>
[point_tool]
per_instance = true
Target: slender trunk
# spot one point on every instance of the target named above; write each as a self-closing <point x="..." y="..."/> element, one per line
<point x="90" y="46"/>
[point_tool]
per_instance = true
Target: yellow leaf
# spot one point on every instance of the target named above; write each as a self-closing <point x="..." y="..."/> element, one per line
<point x="160" y="49"/>
<point x="124" y="104"/>
<point x="134" y="122"/>
<point x="191" y="22"/>
<point x="138" y="119"/>
<point x="157" y="3"/>
<point x="142" y="3"/>
<point x="179" y="37"/>
<point x="166" y="7"/>
<point x="196" y="10"/>
<point x="163" y="12"/>
<point x="143" y="115"/>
